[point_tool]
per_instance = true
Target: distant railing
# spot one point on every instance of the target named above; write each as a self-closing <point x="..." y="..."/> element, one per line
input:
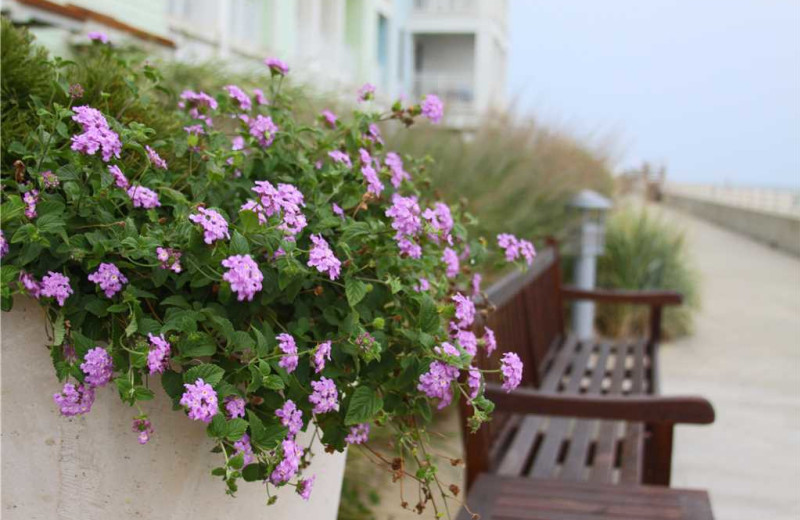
<point x="445" y="6"/>
<point x="454" y="91"/>
<point x="775" y="200"/>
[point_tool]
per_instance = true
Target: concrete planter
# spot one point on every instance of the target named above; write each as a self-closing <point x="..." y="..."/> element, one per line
<point x="91" y="467"/>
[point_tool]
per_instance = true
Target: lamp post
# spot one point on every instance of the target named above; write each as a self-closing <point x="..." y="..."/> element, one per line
<point x="591" y="209"/>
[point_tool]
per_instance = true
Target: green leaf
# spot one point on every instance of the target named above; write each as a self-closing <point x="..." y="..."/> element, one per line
<point x="237" y="461"/>
<point x="428" y="317"/>
<point x="172" y="382"/>
<point x="270" y="437"/>
<point x="59" y="330"/>
<point x="355" y="291"/>
<point x="273" y="382"/>
<point x="142" y="393"/>
<point x="364" y="404"/>
<point x="238" y="244"/>
<point x="211" y="374"/>
<point x="254" y="472"/>
<point x="240" y="341"/>
<point x="98" y="307"/>
<point x="198" y="344"/>
<point x="176" y="300"/>
<point x="236" y="428"/>
<point x="132" y="326"/>
<point x="218" y="427"/>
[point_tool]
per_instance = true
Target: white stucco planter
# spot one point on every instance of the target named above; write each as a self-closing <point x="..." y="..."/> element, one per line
<point x="92" y="468"/>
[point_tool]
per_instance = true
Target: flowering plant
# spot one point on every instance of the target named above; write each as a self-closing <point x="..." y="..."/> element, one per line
<point x="270" y="275"/>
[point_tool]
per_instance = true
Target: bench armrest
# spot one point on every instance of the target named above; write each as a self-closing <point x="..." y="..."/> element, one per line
<point x="648" y="409"/>
<point x="621" y="296"/>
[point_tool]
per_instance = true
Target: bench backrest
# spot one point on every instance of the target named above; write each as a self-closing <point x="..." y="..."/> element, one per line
<point x="529" y="318"/>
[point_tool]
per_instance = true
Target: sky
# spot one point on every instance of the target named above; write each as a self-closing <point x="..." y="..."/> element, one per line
<point x="710" y="89"/>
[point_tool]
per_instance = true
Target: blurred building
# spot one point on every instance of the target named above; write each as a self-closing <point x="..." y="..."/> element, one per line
<point x="456" y="49"/>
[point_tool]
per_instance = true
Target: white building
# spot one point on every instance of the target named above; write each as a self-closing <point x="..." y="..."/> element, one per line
<point x="456" y="49"/>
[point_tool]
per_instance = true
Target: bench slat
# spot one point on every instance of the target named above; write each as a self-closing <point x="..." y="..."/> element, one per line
<point x="605" y="447"/>
<point x="575" y="463"/>
<point x="518" y="453"/>
<point x="633" y="445"/>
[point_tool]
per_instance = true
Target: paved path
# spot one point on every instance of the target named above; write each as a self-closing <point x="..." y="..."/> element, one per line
<point x="744" y="357"/>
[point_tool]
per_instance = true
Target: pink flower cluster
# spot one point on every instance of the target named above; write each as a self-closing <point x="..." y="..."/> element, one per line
<point x="97" y="36"/>
<point x="97" y="135"/>
<point x="31" y="199"/>
<point x="515" y="247"/>
<point x="155" y="159"/>
<point x="199" y="103"/>
<point x="285" y="201"/>
<point x="374" y="184"/>
<point x="215" y="227"/>
<point x="323" y="258"/>
<point x="245" y="103"/>
<point x="74" y="400"/>
<point x="143" y="429"/>
<point x="325" y="397"/>
<point x="322" y="353"/>
<point x="119" y="178"/>
<point x="289" y="464"/>
<point x="440" y="222"/>
<point x="304" y="487"/>
<point x="158" y="355"/>
<point x="169" y="258"/>
<point x="244" y="276"/>
<point x="109" y="278"/>
<point x="142" y="197"/>
<point x="395" y="165"/>
<point x="98" y="367"/>
<point x="433" y="108"/>
<point x="234" y="406"/>
<point x="436" y="382"/>
<point x="290" y="417"/>
<point x="465" y="311"/>
<point x="511" y="366"/>
<point x="405" y="214"/>
<point x="201" y="401"/>
<point x="474" y="382"/>
<point x="277" y="66"/>
<point x="243" y="447"/>
<point x="358" y="434"/>
<point x="3" y="245"/>
<point x="50" y="180"/>
<point x="289" y="348"/>
<point x="366" y="92"/>
<point x="329" y="117"/>
<point x="340" y="157"/>
<point x="450" y="259"/>
<point x="263" y="129"/>
<point x="55" y="285"/>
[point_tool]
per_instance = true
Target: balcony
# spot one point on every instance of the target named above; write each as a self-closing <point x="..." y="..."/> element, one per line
<point x="457" y="92"/>
<point x="434" y="7"/>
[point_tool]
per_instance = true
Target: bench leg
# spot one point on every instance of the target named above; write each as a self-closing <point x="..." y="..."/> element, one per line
<point x="658" y="454"/>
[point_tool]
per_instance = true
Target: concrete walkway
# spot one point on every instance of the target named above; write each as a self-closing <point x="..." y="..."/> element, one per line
<point x="745" y="358"/>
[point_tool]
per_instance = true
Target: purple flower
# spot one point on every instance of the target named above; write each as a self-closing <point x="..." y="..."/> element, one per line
<point x="74" y="400"/>
<point x="215" y="227"/>
<point x="432" y="108"/>
<point x="528" y="251"/>
<point x="290" y="417"/>
<point x="237" y="143"/>
<point x="323" y="258"/>
<point x="511" y="366"/>
<point x="119" y="178"/>
<point x="109" y="278"/>
<point x="436" y="382"/>
<point x="194" y="129"/>
<point x="325" y="397"/>
<point x="358" y="434"/>
<point x="423" y="285"/>
<point x="322" y="353"/>
<point x="440" y="221"/>
<point x="238" y="94"/>
<point x="56" y="285"/>
<point x="201" y="401"/>
<point x="446" y="349"/>
<point x="329" y="117"/>
<point x="286" y="200"/>
<point x="289" y="348"/>
<point x="244" y="447"/>
<point x="155" y="159"/>
<point x="468" y="341"/>
<point x="158" y="355"/>
<point x="405" y="215"/>
<point x="511" y="245"/>
<point x="263" y="129"/>
<point x="50" y="180"/>
<point x="234" y="405"/>
<point x="337" y="210"/>
<point x="261" y="99"/>
<point x="288" y="466"/>
<point x="97" y="36"/>
<point x="374" y="134"/>
<point x="29" y="284"/>
<point x="75" y="91"/>
<point x="277" y="66"/>
<point x="409" y="248"/>
<point x="143" y="429"/>
<point x="450" y="258"/>
<point x="465" y="310"/>
<point x="244" y="276"/>
<point x="304" y="487"/>
<point x="476" y="284"/>
<point x="98" y="367"/>
<point x="31" y="199"/>
<point x="489" y="340"/>
<point x="198" y="103"/>
<point x="143" y="197"/>
<point x="474" y="382"/>
<point x="96" y="134"/>
<point x="374" y="185"/>
<point x="4" y="243"/>
<point x="169" y="258"/>
<point x="366" y="92"/>
<point x="340" y="157"/>
<point x="395" y="165"/>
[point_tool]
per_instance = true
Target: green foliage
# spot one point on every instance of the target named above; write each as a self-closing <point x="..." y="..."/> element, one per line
<point x="215" y="334"/>
<point x="645" y="252"/>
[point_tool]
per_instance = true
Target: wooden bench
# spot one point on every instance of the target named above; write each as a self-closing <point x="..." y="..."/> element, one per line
<point x="586" y="410"/>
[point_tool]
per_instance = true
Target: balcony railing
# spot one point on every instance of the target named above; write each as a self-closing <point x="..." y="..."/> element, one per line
<point x="445" y="6"/>
<point x="455" y="91"/>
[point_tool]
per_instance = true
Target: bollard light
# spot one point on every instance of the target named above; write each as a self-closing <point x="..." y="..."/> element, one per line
<point x="590" y="210"/>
